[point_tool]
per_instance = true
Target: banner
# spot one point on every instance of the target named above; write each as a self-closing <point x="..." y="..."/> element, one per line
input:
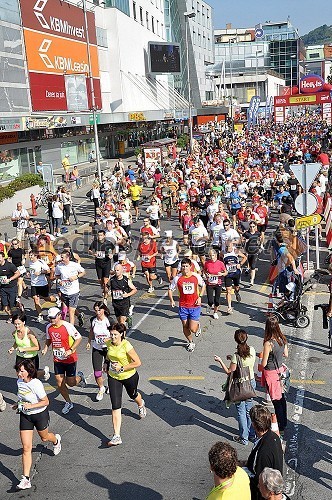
<point x="253" y="110"/>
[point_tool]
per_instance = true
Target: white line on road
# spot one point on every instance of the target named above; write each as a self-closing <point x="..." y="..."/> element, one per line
<point x="301" y="357"/>
<point x="138" y="324"/>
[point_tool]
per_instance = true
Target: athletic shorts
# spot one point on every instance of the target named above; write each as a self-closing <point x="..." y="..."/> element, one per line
<point x="99" y="356"/>
<point x="261" y="228"/>
<point x="154" y="222"/>
<point x="68" y="369"/>
<point x="198" y="249"/>
<point x="234" y="211"/>
<point x="70" y="300"/>
<point x="8" y="296"/>
<point x="40" y="421"/>
<point x="151" y="270"/>
<point x="252" y="260"/>
<point x="40" y="291"/>
<point x="115" y="389"/>
<point x="121" y="309"/>
<point x="135" y="203"/>
<point x="192" y="313"/>
<point x="103" y="269"/>
<point x="175" y="265"/>
<point x="232" y="280"/>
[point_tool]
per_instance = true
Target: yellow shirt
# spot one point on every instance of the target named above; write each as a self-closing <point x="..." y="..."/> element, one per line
<point x="119" y="353"/>
<point x="65" y="163"/>
<point x="135" y="192"/>
<point x="239" y="490"/>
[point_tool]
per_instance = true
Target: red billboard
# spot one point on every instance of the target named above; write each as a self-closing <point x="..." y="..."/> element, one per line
<point x="55" y="42"/>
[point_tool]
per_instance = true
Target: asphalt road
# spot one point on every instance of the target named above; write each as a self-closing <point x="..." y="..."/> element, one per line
<point x="165" y="455"/>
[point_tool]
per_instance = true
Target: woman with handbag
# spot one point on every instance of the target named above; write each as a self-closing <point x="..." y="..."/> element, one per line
<point x="242" y="361"/>
<point x="275" y="348"/>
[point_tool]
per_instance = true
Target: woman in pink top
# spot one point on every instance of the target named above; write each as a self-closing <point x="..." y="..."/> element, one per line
<point x="214" y="270"/>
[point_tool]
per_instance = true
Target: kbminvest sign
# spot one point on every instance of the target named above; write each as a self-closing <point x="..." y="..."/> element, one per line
<point x="55" y="43"/>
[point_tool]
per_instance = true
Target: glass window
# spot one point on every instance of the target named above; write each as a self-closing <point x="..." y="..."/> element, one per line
<point x="147" y="19"/>
<point x="134" y="10"/>
<point x="101" y="35"/>
<point x="141" y="15"/>
<point x="152" y="24"/>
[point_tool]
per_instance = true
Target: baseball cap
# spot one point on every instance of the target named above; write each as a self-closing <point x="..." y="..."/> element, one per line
<point x="122" y="256"/>
<point x="168" y="234"/>
<point x="53" y="312"/>
<point x="67" y="155"/>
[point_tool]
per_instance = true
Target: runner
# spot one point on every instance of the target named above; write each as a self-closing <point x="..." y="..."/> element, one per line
<point x="191" y="287"/>
<point x="233" y="260"/>
<point x="64" y="339"/>
<point x="121" y="289"/>
<point x="198" y="237"/>
<point x="32" y="406"/>
<point x="214" y="270"/>
<point x="148" y="252"/>
<point x="102" y="251"/>
<point x="99" y="332"/>
<point x="40" y="289"/>
<point x="170" y="250"/>
<point x="252" y="240"/>
<point x="8" y="285"/>
<point x="68" y="274"/>
<point x="135" y="192"/>
<point x="122" y="363"/>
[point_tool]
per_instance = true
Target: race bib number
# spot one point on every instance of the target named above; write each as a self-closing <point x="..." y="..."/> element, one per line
<point x="232" y="268"/>
<point x="100" y="340"/>
<point x="59" y="353"/>
<point x="213" y="280"/>
<point x="146" y="258"/>
<point x="117" y="294"/>
<point x="188" y="288"/>
<point x="3" y="280"/>
<point x="100" y="255"/>
<point x="66" y="284"/>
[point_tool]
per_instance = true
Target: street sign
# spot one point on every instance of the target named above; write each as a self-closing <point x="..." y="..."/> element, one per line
<point x="306" y="173"/>
<point x="305" y="206"/>
<point x="308" y="221"/>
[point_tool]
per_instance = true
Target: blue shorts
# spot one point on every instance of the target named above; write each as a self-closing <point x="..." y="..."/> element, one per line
<point x="190" y="313"/>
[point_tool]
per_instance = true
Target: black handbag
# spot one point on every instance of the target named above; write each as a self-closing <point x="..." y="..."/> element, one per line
<point x="239" y="386"/>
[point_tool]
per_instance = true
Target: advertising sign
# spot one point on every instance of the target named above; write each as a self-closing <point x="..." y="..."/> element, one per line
<point x="164" y="58"/>
<point x="76" y="92"/>
<point x="311" y="84"/>
<point x="55" y="44"/>
<point x="152" y="155"/>
<point x="8" y="137"/>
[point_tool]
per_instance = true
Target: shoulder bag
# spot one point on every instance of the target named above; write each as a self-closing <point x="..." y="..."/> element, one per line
<point x="239" y="386"/>
<point x="283" y="373"/>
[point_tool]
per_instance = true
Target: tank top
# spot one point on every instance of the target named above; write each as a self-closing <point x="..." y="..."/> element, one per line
<point x="171" y="254"/>
<point x="275" y="359"/>
<point x="231" y="260"/>
<point x="25" y="343"/>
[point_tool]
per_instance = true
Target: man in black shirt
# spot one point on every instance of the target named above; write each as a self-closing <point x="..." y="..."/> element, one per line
<point x="8" y="285"/>
<point x="293" y="185"/>
<point x="102" y="250"/>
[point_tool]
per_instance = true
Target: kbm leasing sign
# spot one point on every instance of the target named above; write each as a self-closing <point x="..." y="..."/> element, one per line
<point x="55" y="41"/>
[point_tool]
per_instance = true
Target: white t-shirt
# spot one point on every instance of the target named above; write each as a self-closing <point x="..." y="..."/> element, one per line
<point x="100" y="332"/>
<point x="66" y="271"/>
<point x="212" y="210"/>
<point x="31" y="392"/>
<point x="38" y="267"/>
<point x="57" y="213"/>
<point x="230" y="234"/>
<point x="197" y="233"/>
<point x="170" y="253"/>
<point x="153" y="211"/>
<point x="21" y="223"/>
<point x="215" y="230"/>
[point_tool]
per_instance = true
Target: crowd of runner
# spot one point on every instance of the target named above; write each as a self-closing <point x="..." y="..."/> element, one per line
<point x="222" y="197"/>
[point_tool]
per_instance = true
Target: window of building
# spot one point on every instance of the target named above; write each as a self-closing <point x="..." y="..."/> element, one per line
<point x="157" y="27"/>
<point x="134" y="10"/>
<point x="152" y="24"/>
<point x="101" y="36"/>
<point x="147" y="19"/>
<point x="141" y="15"/>
<point x="208" y="95"/>
<point x="314" y="55"/>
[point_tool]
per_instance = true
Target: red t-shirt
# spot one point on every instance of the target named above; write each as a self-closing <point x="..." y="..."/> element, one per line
<point x="188" y="289"/>
<point x="145" y="251"/>
<point x="262" y="212"/>
<point x="212" y="269"/>
<point x="62" y="338"/>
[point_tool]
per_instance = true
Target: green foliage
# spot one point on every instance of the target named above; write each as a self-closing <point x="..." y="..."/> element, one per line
<point x="137" y="151"/>
<point x="21" y="182"/>
<point x="318" y="36"/>
<point x="182" y="141"/>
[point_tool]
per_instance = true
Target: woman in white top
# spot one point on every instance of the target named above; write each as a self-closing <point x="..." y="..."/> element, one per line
<point x="170" y="251"/>
<point x="32" y="406"/>
<point x="98" y="333"/>
<point x="57" y="214"/>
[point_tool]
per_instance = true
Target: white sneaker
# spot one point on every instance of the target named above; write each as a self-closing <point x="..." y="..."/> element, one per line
<point x="40" y="318"/>
<point x="115" y="441"/>
<point x="191" y="346"/>
<point x="24" y="484"/>
<point x="2" y="403"/>
<point x="57" y="446"/>
<point x="58" y="302"/>
<point x="131" y="310"/>
<point x="68" y="406"/>
<point x="216" y="315"/>
<point x="47" y="373"/>
<point x="142" y="410"/>
<point x="151" y="289"/>
<point x="100" y="393"/>
<point x="199" y="331"/>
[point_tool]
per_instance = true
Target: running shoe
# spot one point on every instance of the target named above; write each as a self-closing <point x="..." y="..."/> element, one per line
<point x="82" y="383"/>
<point x="2" y="403"/>
<point x="47" y="373"/>
<point x="250" y="284"/>
<point x="100" y="393"/>
<point x="238" y="296"/>
<point x="24" y="484"/>
<point x="57" y="446"/>
<point x="199" y="331"/>
<point x="191" y="346"/>
<point x="142" y="410"/>
<point x="215" y="315"/>
<point x="40" y="318"/>
<point x="58" y="302"/>
<point x="25" y="293"/>
<point x="239" y="440"/>
<point x="151" y="289"/>
<point x="115" y="441"/>
<point x="131" y="310"/>
<point x="129" y="321"/>
<point x="160" y="280"/>
<point x="230" y="310"/>
<point x="68" y="406"/>
<point x="80" y="318"/>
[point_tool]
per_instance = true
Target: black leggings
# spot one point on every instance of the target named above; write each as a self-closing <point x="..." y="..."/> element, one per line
<point x="115" y="388"/>
<point x="280" y="407"/>
<point x="66" y="212"/>
<point x="213" y="295"/>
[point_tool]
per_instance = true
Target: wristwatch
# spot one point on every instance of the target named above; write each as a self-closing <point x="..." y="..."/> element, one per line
<point x="121" y="369"/>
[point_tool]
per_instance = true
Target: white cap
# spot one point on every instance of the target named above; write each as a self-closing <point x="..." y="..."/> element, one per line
<point x="122" y="255"/>
<point x="53" y="312"/>
<point x="169" y="234"/>
<point x="291" y="286"/>
<point x="67" y="155"/>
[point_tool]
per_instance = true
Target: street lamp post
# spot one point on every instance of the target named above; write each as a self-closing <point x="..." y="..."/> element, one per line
<point x="230" y="41"/>
<point x="92" y="90"/>
<point x="187" y="16"/>
<point x="257" y="86"/>
<point x="293" y="56"/>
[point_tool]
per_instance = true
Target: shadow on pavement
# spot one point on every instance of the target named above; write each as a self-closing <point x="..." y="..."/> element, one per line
<point x="123" y="491"/>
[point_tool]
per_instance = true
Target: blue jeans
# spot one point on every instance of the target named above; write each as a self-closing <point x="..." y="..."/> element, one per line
<point x="245" y="427"/>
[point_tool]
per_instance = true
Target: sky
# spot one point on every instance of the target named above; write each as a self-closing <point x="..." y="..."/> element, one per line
<point x="305" y="15"/>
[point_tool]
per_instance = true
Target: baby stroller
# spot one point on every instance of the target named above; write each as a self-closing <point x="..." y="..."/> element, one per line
<point x="290" y="308"/>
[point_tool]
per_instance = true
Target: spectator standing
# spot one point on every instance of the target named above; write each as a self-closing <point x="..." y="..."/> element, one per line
<point x="8" y="285"/>
<point x="20" y="219"/>
<point x="66" y="166"/>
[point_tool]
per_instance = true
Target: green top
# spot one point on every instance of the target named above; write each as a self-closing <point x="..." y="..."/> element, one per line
<point x="250" y="361"/>
<point x="119" y="353"/>
<point x="25" y="344"/>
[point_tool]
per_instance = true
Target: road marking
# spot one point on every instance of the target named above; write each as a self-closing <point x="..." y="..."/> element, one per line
<point x="138" y="324"/>
<point x="316" y="293"/>
<point x="178" y="377"/>
<point x="264" y="287"/>
<point x="307" y="382"/>
<point x="302" y="353"/>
